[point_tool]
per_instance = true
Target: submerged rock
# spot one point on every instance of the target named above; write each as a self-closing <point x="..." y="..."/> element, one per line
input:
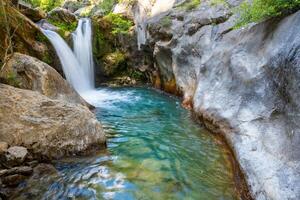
<point x="30" y="73"/>
<point x="47" y="128"/>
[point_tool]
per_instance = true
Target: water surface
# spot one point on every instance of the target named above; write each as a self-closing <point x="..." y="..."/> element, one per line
<point x="155" y="151"/>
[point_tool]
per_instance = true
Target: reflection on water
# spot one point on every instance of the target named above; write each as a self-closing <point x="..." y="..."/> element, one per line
<point x="155" y="151"/>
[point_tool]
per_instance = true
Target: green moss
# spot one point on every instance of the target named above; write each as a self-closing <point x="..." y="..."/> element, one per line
<point x="166" y="22"/>
<point x="41" y="37"/>
<point x="12" y="79"/>
<point x="47" y="59"/>
<point x="113" y="61"/>
<point x="189" y="5"/>
<point x="259" y="10"/>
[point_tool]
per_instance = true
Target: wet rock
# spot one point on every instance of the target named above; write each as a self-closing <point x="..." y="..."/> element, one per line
<point x="43" y="169"/>
<point x="49" y="128"/>
<point x="15" y="155"/>
<point x="23" y="170"/>
<point x="33" y="74"/>
<point x="13" y="180"/>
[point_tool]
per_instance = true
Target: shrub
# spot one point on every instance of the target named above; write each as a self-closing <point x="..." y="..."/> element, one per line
<point x="259" y="10"/>
<point x="46" y="5"/>
<point x="120" y="25"/>
<point x="107" y="5"/>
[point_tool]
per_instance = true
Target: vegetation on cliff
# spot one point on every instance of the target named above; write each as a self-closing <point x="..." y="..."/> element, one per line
<point x="259" y="10"/>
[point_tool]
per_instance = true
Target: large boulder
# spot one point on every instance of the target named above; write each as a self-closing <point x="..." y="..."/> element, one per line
<point x="24" y="37"/>
<point x="30" y="73"/>
<point x="46" y="127"/>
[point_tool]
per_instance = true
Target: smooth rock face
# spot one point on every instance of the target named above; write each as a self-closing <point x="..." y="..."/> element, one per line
<point x="243" y="84"/>
<point x="46" y="127"/>
<point x="32" y="74"/>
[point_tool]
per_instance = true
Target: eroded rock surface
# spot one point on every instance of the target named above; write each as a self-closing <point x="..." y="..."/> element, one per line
<point x="242" y="83"/>
<point x="46" y="127"/>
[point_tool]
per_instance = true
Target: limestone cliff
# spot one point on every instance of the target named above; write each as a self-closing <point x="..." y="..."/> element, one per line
<point x="242" y="83"/>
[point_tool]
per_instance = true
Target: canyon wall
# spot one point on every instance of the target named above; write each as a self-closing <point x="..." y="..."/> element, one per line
<point x="242" y="83"/>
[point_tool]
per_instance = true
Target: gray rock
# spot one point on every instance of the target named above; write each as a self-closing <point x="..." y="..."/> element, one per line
<point x="35" y="14"/>
<point x="50" y="128"/>
<point x="243" y="84"/>
<point x="15" y="155"/>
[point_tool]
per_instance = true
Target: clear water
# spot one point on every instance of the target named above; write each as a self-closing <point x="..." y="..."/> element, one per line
<point x="155" y="151"/>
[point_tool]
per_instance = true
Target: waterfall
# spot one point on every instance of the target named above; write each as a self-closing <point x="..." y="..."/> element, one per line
<point x="77" y="65"/>
<point x="82" y="40"/>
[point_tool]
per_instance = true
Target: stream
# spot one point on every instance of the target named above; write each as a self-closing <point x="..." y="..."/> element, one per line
<point x="155" y="151"/>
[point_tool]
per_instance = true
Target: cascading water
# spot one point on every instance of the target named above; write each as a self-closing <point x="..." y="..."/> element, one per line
<point x="82" y="40"/>
<point x="78" y="66"/>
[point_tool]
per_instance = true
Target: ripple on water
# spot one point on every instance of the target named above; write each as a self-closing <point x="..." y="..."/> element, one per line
<point x="155" y="151"/>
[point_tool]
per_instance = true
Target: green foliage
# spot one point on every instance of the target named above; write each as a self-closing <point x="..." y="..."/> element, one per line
<point x="166" y="21"/>
<point x="70" y="27"/>
<point x="189" y="5"/>
<point x="259" y="10"/>
<point x="120" y="25"/>
<point x="41" y="37"/>
<point x="46" y="5"/>
<point x="107" y="5"/>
